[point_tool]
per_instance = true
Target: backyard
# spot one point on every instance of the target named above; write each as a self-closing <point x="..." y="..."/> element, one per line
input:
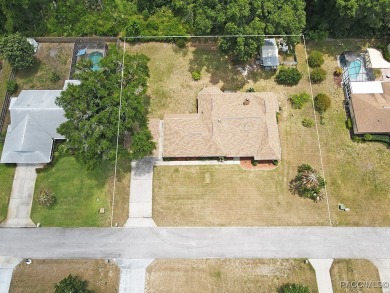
<point x="227" y="275"/>
<point x="41" y="275"/>
<point x="80" y="193"/>
<point x="51" y="67"/>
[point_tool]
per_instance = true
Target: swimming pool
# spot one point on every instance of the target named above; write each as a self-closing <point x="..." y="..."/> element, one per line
<point x="354" y="69"/>
<point x="95" y="57"/>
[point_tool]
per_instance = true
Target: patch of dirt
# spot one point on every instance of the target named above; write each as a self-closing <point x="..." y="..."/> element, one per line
<point x="41" y="275"/>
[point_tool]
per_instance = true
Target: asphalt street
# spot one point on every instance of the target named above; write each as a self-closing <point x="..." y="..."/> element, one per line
<point x="221" y="242"/>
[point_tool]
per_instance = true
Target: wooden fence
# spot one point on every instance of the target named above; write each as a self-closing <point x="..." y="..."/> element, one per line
<point x="6" y="102"/>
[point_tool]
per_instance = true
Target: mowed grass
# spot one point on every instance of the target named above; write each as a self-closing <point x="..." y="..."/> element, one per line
<point x="227" y="275"/>
<point x="353" y="270"/>
<point x="6" y="178"/>
<point x="50" y="58"/>
<point x="357" y="173"/>
<point x="235" y="197"/>
<point x="80" y="194"/>
<point x="41" y="275"/>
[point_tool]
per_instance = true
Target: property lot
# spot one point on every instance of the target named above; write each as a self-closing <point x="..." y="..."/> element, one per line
<point x="353" y="270"/>
<point x="41" y="275"/>
<point x="355" y="172"/>
<point x="227" y="275"/>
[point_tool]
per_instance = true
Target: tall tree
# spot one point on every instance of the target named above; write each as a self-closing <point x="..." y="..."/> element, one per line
<point x="92" y="110"/>
<point x="18" y="52"/>
<point x="72" y="284"/>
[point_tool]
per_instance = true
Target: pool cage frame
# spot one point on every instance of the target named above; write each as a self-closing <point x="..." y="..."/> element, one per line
<point x="84" y="45"/>
<point x="367" y="75"/>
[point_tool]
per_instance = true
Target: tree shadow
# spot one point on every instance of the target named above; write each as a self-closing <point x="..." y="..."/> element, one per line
<point x="30" y="72"/>
<point x="219" y="66"/>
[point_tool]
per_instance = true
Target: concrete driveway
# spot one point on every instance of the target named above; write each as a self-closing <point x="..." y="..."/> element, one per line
<point x="19" y="208"/>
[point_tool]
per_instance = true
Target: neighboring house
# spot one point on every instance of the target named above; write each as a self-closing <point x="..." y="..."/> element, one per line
<point x="370" y="107"/>
<point x="269" y="54"/>
<point x="35" y="118"/>
<point x="227" y="125"/>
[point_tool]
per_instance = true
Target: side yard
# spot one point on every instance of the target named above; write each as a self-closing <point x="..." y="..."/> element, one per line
<point x="6" y="178"/>
<point x="227" y="275"/>
<point x="357" y="173"/>
<point x="41" y="275"/>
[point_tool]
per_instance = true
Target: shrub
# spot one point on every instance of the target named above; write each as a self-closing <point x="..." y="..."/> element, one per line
<point x="338" y="71"/>
<point x="254" y="163"/>
<point x="250" y="90"/>
<point x="367" y="137"/>
<point x="308" y="122"/>
<point x="181" y="43"/>
<point x="196" y="75"/>
<point x="275" y="162"/>
<point x="317" y="35"/>
<point x="12" y="87"/>
<point x="349" y="123"/>
<point x="377" y="73"/>
<point x="72" y="284"/>
<point x="316" y="59"/>
<point x="45" y="197"/>
<point x="298" y="100"/>
<point x="307" y="183"/>
<point x="356" y="138"/>
<point x="317" y="75"/>
<point x="54" y="77"/>
<point x="293" y="288"/>
<point x="321" y="103"/>
<point x="288" y="76"/>
<point x="278" y="117"/>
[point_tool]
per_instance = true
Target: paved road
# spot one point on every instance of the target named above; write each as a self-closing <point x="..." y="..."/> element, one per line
<point x="156" y="242"/>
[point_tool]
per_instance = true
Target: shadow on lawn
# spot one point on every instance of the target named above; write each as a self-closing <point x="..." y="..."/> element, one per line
<point x="219" y="66"/>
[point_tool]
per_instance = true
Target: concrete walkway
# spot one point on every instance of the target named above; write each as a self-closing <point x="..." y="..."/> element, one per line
<point x="7" y="265"/>
<point x="19" y="208"/>
<point x="322" y="267"/>
<point x="383" y="266"/>
<point x="133" y="272"/>
<point x="141" y="190"/>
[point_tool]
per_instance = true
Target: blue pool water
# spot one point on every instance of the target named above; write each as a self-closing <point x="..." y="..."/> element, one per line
<point x="95" y="57"/>
<point x="354" y="69"/>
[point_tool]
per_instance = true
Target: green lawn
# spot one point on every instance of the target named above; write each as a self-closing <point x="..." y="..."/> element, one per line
<point x="79" y="193"/>
<point x="6" y="179"/>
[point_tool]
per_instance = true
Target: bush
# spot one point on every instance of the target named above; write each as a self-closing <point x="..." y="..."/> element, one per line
<point x="72" y="284"/>
<point x="181" y="43"/>
<point x="293" y="288"/>
<point x="308" y="122"/>
<point x="317" y="75"/>
<point x="298" y="100"/>
<point x="316" y="59"/>
<point x="338" y="71"/>
<point x="321" y="103"/>
<point x="45" y="197"/>
<point x="254" y="163"/>
<point x="196" y="75"/>
<point x="250" y="90"/>
<point x="288" y="76"/>
<point x="367" y="137"/>
<point x="377" y="73"/>
<point x="278" y="117"/>
<point x="12" y="87"/>
<point x="356" y="138"/>
<point x="307" y="183"/>
<point x="317" y="35"/>
<point x="54" y="77"/>
<point x="275" y="162"/>
<point x="349" y="123"/>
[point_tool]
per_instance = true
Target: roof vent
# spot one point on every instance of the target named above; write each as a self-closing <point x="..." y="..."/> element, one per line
<point x="246" y="102"/>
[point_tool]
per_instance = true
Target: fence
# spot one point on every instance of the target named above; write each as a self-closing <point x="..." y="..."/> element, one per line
<point x="6" y="102"/>
<point x="75" y="39"/>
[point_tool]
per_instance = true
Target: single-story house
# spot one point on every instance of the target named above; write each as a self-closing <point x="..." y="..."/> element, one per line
<point x="226" y="125"/>
<point x="35" y="118"/>
<point x="269" y="54"/>
<point x="370" y="107"/>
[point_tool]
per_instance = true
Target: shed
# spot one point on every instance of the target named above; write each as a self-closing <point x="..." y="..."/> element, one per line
<point x="269" y="54"/>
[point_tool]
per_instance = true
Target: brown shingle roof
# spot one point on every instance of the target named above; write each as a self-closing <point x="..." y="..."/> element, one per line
<point x="227" y="124"/>
<point x="372" y="111"/>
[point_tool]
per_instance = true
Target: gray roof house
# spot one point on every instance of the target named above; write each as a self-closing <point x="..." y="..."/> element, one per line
<point x="35" y="118"/>
<point x="269" y="54"/>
